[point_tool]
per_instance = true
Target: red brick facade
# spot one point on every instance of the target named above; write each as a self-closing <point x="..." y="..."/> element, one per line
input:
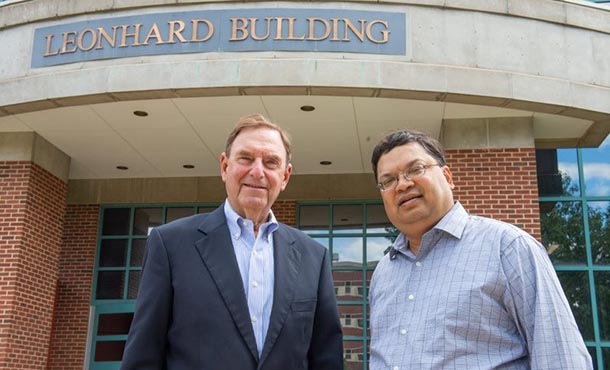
<point x="285" y="211"/>
<point x="74" y="289"/>
<point x="32" y="206"/>
<point x="498" y="183"/>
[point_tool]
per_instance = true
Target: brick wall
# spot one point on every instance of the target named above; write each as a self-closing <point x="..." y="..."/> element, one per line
<point x="498" y="183"/>
<point x="285" y="211"/>
<point x="32" y="206"/>
<point x="74" y="289"/>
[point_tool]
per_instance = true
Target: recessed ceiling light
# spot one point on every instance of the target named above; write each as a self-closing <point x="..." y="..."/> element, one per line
<point x="326" y="163"/>
<point x="140" y="113"/>
<point x="308" y="108"/>
<point x="122" y="168"/>
<point x="188" y="166"/>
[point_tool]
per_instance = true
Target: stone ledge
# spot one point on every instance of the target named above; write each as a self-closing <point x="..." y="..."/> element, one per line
<point x="211" y="189"/>
<point x="29" y="146"/>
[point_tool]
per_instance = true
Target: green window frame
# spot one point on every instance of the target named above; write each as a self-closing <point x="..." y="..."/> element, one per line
<point x="570" y="229"/>
<point x="343" y="226"/>
<point x="118" y="263"/>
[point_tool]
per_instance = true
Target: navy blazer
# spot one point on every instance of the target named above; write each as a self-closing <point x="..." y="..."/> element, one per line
<point x="191" y="311"/>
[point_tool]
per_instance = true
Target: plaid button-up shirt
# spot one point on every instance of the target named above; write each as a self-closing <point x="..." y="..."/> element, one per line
<point x="480" y="294"/>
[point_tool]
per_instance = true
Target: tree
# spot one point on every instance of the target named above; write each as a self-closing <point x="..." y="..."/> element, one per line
<point x="562" y="226"/>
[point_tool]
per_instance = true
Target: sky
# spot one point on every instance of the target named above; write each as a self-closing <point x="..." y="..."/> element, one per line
<point x="350" y="249"/>
<point x="596" y="167"/>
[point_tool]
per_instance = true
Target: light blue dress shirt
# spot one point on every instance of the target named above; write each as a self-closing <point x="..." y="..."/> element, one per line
<point x="480" y="294"/>
<point x="255" y="261"/>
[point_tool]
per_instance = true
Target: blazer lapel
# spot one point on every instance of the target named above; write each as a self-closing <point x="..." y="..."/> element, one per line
<point x="287" y="260"/>
<point x="216" y="251"/>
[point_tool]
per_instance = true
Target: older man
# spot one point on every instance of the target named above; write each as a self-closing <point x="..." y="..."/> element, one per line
<point x="459" y="291"/>
<point x="235" y="289"/>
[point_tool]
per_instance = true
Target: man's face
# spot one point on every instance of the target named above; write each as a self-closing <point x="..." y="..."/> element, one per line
<point x="255" y="172"/>
<point x="415" y="206"/>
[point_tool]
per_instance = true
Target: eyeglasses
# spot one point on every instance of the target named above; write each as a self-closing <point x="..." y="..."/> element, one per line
<point x="388" y="183"/>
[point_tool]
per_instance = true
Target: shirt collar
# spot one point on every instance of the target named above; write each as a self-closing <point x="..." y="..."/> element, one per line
<point x="238" y="224"/>
<point x="400" y="245"/>
<point x="453" y="223"/>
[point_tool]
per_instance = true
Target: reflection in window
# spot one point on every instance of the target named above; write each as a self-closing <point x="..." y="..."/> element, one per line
<point x="347" y="252"/>
<point x="599" y="231"/>
<point x="575" y="285"/>
<point x="557" y="172"/>
<point x="357" y="236"/>
<point x="350" y="317"/>
<point x="113" y="253"/>
<point x="110" y="285"/>
<point x="369" y="275"/>
<point x="353" y="356"/>
<point x="145" y="219"/>
<point x="313" y="219"/>
<point x="561" y="224"/>
<point x="114" y="323"/>
<point x="376" y="248"/>
<point x="137" y="252"/>
<point x="347" y="219"/>
<point x="579" y="243"/>
<point x="593" y="356"/>
<point x="109" y="351"/>
<point x="377" y="221"/>
<point x="348" y="285"/>
<point x="134" y="284"/>
<point x="116" y="221"/>
<point x="596" y="169"/>
<point x="602" y="287"/>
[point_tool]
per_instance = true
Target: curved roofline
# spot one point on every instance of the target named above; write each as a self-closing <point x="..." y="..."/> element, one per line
<point x="574" y="13"/>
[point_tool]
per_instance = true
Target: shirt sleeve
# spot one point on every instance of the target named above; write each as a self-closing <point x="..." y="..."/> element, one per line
<point x="540" y="309"/>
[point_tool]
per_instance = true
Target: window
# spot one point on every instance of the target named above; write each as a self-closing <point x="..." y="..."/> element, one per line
<point x="574" y="191"/>
<point x="120" y="254"/>
<point x="356" y="234"/>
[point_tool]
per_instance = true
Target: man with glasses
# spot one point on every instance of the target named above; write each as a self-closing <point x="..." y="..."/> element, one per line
<point x="457" y="291"/>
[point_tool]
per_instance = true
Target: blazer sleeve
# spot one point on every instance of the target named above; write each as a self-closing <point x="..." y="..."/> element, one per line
<point x="146" y="342"/>
<point x="326" y="349"/>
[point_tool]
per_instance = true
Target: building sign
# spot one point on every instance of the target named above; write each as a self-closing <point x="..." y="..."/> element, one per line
<point x="315" y="30"/>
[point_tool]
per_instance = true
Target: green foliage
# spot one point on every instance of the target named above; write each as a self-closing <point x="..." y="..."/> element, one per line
<point x="562" y="227"/>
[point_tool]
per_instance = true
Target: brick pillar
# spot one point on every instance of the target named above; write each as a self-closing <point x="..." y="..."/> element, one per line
<point x="69" y="340"/>
<point x="498" y="183"/>
<point x="33" y="192"/>
<point x="285" y="211"/>
<point x="32" y="203"/>
<point x="493" y="161"/>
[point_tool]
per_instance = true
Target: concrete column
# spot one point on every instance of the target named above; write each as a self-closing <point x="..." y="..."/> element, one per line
<point x="33" y="190"/>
